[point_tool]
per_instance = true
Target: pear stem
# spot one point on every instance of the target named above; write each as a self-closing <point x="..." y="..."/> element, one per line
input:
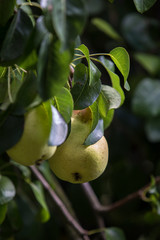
<point x="68" y="217"/>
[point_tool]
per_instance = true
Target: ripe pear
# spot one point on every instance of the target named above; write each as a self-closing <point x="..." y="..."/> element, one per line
<point x="75" y="162"/>
<point x="33" y="145"/>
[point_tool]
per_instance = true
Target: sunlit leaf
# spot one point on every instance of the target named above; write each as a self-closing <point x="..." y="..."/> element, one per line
<point x="114" y="78"/>
<point x="64" y="103"/>
<point x="121" y="59"/>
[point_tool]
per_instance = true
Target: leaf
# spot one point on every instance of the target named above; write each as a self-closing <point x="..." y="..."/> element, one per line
<point x="51" y="61"/>
<point x="152" y="128"/>
<point x="59" y="129"/>
<point x="3" y="88"/>
<point x="140" y="38"/>
<point x="16" y="38"/>
<point x="26" y="94"/>
<point x="7" y="190"/>
<point x="96" y="134"/>
<point x="3" y="211"/>
<point x="146" y="99"/>
<point x="114" y="233"/>
<point x="39" y="195"/>
<point x="106" y="110"/>
<point x="93" y="71"/>
<point x="11" y="126"/>
<point x="111" y="96"/>
<point x="150" y="62"/>
<point x="14" y="216"/>
<point x="64" y="103"/>
<point x="67" y="18"/>
<point x="6" y="10"/>
<point x="121" y="59"/>
<point x="83" y="93"/>
<point x="144" y="5"/>
<point x="105" y="27"/>
<point x="113" y="76"/>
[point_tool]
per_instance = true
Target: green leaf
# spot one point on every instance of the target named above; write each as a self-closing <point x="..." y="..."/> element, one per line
<point x="106" y="28"/>
<point x="152" y="128"/>
<point x="67" y="18"/>
<point x="114" y="77"/>
<point x="121" y="59"/>
<point x="16" y="38"/>
<point x="150" y="62"/>
<point x="144" y="5"/>
<point x="3" y="211"/>
<point x="105" y="109"/>
<point x="93" y="71"/>
<point x="111" y="96"/>
<point x="39" y="195"/>
<point x="114" y="233"/>
<point x="26" y="94"/>
<point x="63" y="101"/>
<point x="14" y="216"/>
<point x="7" y="190"/>
<point x="6" y="10"/>
<point x="3" y="88"/>
<point x="51" y="61"/>
<point x="25" y="170"/>
<point x="59" y="129"/>
<point x="146" y="99"/>
<point x="85" y="94"/>
<point x="11" y="126"/>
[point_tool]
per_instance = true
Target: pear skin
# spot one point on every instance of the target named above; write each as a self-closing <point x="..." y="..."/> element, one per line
<point x="75" y="162"/>
<point x="33" y="145"/>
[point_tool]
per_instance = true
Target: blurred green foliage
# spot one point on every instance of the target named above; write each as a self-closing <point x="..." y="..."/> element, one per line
<point x="133" y="138"/>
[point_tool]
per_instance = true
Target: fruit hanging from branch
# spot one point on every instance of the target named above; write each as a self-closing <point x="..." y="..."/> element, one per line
<point x="75" y="162"/>
<point x="33" y="145"/>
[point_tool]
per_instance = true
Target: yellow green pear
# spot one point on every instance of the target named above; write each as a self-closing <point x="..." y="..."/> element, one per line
<point x="75" y="162"/>
<point x="33" y="145"/>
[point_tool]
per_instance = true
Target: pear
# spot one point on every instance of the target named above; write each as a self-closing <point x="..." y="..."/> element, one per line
<point x="75" y="162"/>
<point x="33" y="145"/>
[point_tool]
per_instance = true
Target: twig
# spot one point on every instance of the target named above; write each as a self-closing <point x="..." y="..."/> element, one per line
<point x="95" y="204"/>
<point x="68" y="217"/>
<point x="102" y="209"/>
<point x="130" y="197"/>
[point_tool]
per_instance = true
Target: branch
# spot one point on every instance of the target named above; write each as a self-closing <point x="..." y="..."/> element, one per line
<point x="94" y="203"/>
<point x="102" y="209"/>
<point x="68" y="217"/>
<point x="130" y="197"/>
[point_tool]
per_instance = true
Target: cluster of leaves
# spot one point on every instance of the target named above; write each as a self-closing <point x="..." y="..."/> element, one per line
<point x="41" y="59"/>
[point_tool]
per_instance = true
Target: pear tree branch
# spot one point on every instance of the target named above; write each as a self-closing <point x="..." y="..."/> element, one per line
<point x="98" y="207"/>
<point x="66" y="214"/>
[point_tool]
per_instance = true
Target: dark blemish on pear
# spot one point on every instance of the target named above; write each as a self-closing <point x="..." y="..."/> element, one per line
<point x="77" y="176"/>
